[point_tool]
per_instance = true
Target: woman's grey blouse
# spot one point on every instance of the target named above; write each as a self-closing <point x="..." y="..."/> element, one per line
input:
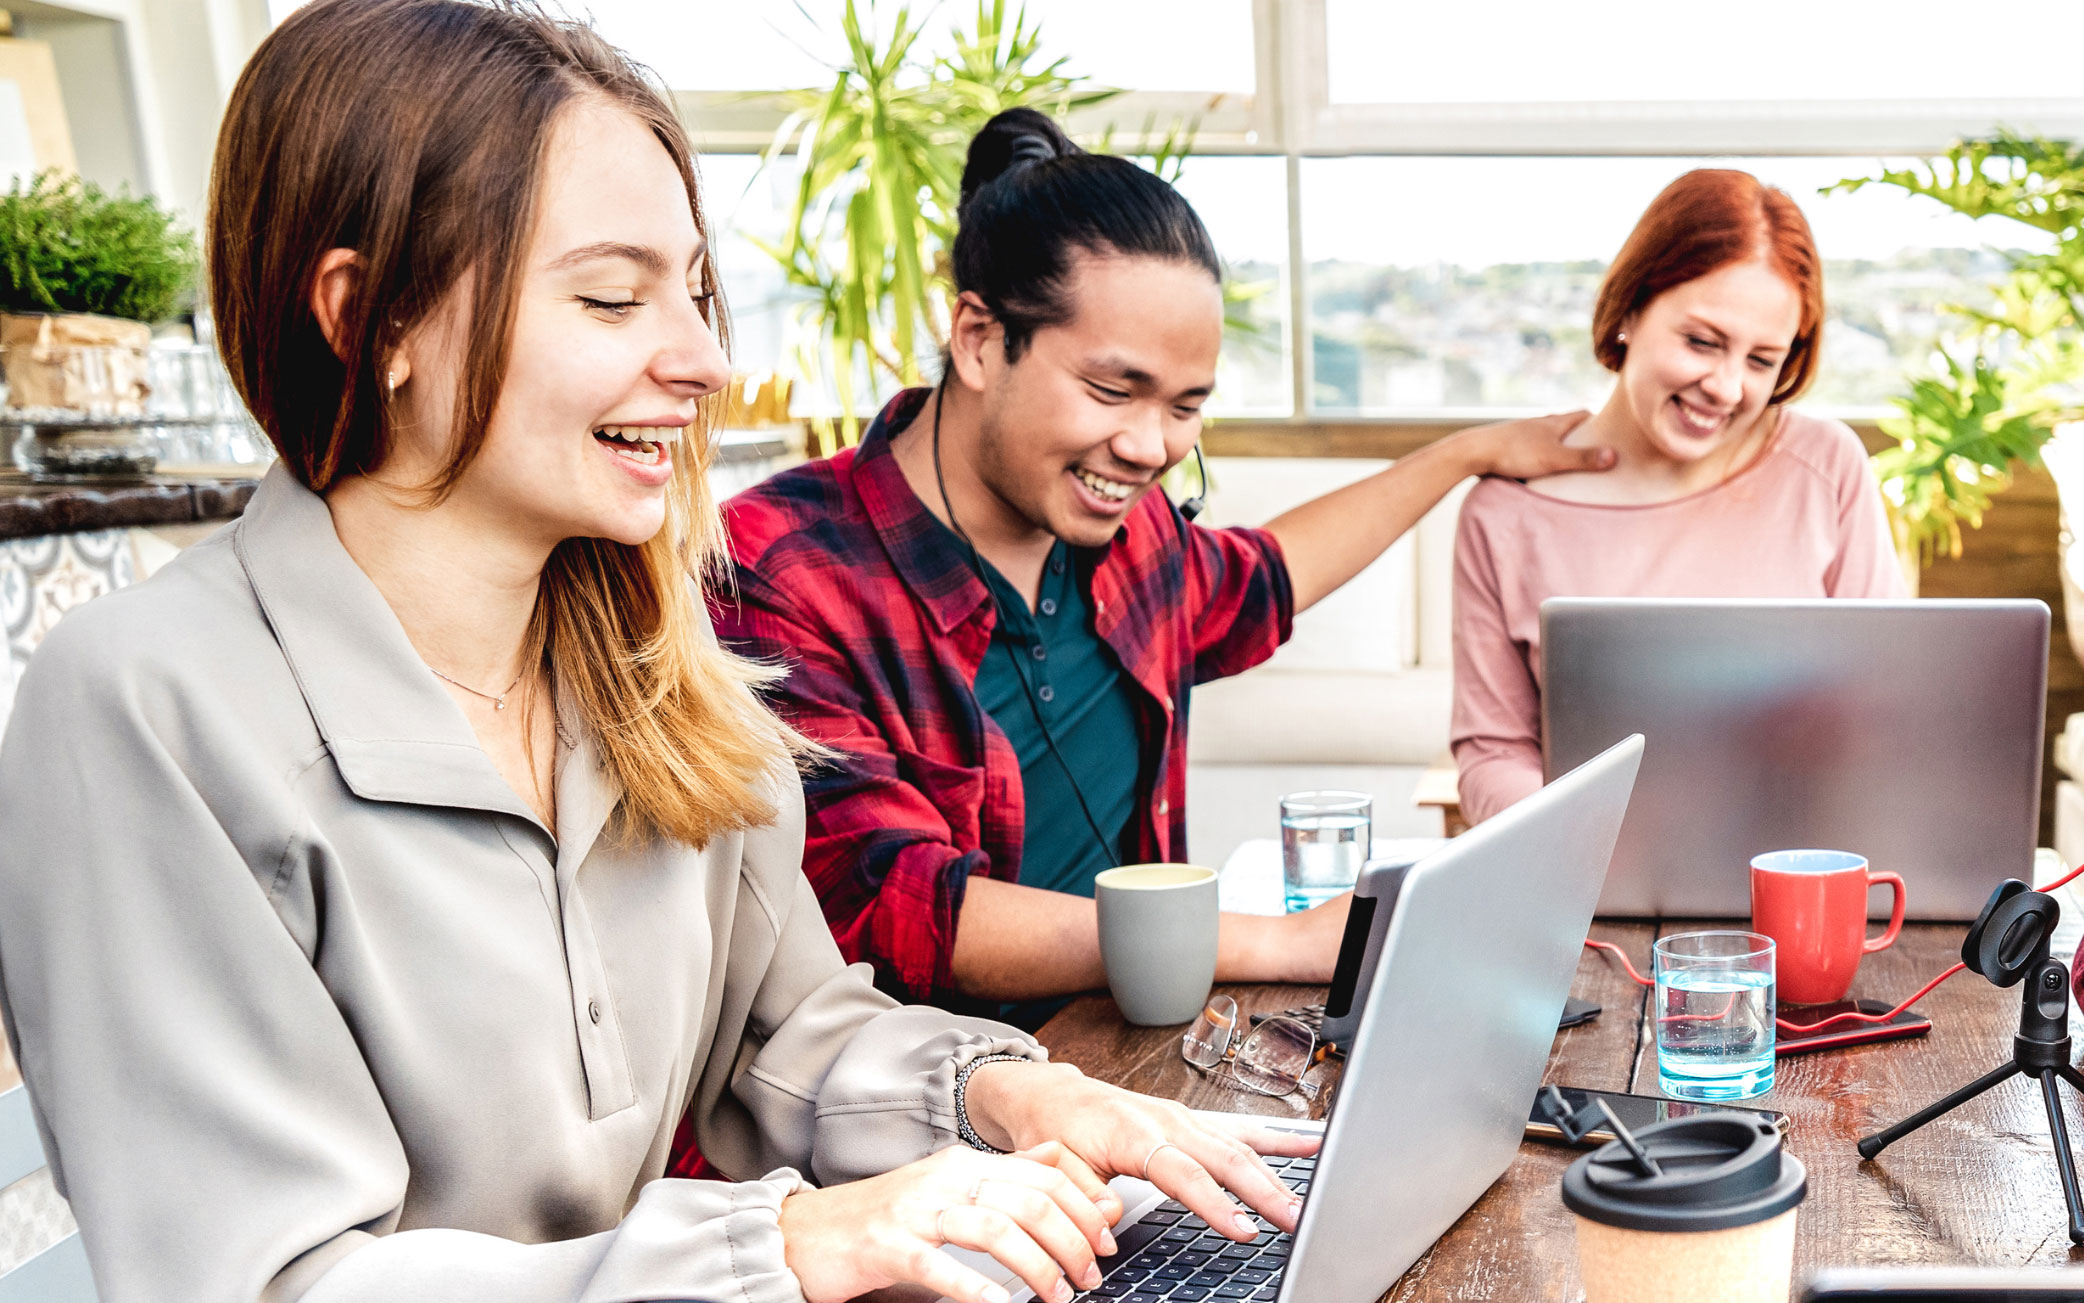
<point x="312" y="1007"/>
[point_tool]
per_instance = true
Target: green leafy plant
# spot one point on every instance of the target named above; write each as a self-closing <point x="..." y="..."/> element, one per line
<point x="2000" y="384"/>
<point x="69" y="246"/>
<point x="879" y="157"/>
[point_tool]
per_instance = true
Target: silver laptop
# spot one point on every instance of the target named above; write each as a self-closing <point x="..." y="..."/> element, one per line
<point x="1907" y="732"/>
<point x="1431" y="1107"/>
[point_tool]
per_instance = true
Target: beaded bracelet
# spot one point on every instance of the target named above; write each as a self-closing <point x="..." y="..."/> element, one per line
<point x="963" y="1130"/>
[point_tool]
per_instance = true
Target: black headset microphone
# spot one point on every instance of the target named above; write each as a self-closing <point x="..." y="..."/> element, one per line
<point x="1193" y="506"/>
<point x="1189" y="509"/>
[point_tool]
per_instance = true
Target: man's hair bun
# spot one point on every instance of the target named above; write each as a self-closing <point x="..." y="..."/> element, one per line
<point x="1012" y="140"/>
<point x="1032" y="200"/>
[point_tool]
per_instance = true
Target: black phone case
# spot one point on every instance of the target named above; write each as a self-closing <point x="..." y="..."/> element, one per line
<point x="1848" y="1033"/>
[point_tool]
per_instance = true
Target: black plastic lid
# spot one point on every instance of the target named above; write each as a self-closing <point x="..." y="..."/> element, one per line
<point x="1720" y="1170"/>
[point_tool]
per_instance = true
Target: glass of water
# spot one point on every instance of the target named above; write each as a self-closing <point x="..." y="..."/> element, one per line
<point x="1325" y="838"/>
<point x="1715" y="1015"/>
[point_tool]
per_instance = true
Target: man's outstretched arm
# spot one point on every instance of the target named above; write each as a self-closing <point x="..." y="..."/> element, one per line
<point x="1024" y="943"/>
<point x="1328" y="540"/>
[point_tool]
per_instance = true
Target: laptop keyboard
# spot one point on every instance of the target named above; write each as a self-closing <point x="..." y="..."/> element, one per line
<point x="1172" y="1254"/>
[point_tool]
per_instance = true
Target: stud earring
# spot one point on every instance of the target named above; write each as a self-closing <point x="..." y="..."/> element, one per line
<point x="391" y="383"/>
<point x="1620" y="336"/>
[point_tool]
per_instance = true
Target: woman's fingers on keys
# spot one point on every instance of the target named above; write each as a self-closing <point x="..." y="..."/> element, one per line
<point x="1081" y="1174"/>
<point x="1042" y="1172"/>
<point x="1060" y="1216"/>
<point x="946" y="1278"/>
<point x="1186" y="1170"/>
<point x="1245" y="1174"/>
<point x="991" y="1230"/>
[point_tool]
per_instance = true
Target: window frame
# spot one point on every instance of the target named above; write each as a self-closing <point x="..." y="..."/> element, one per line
<point x="1290" y="115"/>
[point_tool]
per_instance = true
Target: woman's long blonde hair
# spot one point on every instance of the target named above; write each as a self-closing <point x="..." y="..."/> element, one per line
<point x="413" y="132"/>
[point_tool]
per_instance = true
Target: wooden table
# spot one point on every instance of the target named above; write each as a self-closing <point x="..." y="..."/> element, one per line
<point x="1977" y="1187"/>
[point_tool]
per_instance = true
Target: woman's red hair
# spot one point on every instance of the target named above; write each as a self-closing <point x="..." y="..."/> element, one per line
<point x="1704" y="221"/>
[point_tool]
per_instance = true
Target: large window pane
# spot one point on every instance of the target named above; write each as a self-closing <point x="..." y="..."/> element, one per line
<point x="764" y="45"/>
<point x="743" y="203"/>
<point x="1243" y="202"/>
<point x="1405" y="51"/>
<point x="777" y="44"/>
<point x="1448" y="283"/>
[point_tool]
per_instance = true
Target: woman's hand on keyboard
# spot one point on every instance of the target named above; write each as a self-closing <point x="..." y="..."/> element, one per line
<point x="1022" y="1209"/>
<point x="1120" y="1133"/>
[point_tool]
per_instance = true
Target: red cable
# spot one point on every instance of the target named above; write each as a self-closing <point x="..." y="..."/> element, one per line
<point x="1783" y="1023"/>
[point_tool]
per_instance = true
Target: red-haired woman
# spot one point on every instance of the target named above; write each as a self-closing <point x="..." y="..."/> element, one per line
<point x="1710" y="317"/>
<point x="385" y="880"/>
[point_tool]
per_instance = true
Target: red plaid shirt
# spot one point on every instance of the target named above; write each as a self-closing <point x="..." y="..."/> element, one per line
<point x="846" y="578"/>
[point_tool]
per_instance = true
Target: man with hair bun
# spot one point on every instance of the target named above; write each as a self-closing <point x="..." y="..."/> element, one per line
<point x="993" y="616"/>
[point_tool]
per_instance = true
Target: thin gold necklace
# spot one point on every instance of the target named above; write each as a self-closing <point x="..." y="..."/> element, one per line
<point x="498" y="702"/>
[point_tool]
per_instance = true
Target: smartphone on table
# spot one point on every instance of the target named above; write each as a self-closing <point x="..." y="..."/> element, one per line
<point x="1634" y="1111"/>
<point x="1838" y="1034"/>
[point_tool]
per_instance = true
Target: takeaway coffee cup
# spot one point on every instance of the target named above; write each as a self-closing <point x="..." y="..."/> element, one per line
<point x="1158" y="939"/>
<point x="1716" y="1226"/>
<point x="1814" y="906"/>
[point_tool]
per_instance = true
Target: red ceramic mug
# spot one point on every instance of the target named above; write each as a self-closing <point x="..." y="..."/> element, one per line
<point x="1814" y="906"/>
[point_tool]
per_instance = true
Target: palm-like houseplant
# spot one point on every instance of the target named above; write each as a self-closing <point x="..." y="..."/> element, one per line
<point x="2000" y="385"/>
<point x="879" y="156"/>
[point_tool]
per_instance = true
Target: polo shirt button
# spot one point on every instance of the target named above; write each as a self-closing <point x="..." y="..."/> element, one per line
<point x="1168" y="701"/>
<point x="1056" y="565"/>
<point x="1049" y="606"/>
<point x="1046" y="692"/>
<point x="593" y="1010"/>
<point x="1164" y="806"/>
<point x="1039" y="652"/>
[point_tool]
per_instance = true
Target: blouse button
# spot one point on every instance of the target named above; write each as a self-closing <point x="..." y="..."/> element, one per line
<point x="1049" y="606"/>
<point x="593" y="1010"/>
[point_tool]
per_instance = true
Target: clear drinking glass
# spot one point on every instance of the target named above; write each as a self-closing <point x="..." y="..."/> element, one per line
<point x="1325" y="838"/>
<point x="1714" y="1015"/>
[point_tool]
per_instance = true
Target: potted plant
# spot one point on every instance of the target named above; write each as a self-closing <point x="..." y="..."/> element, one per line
<point x="879" y="157"/>
<point x="83" y="275"/>
<point x="1998" y="387"/>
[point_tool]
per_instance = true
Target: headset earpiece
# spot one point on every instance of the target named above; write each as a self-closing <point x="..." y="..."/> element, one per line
<point x="1195" y="505"/>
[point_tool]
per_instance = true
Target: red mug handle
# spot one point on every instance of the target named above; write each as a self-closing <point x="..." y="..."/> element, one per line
<point x="1888" y="936"/>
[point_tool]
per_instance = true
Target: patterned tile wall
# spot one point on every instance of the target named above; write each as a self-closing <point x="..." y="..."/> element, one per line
<point x="44" y="577"/>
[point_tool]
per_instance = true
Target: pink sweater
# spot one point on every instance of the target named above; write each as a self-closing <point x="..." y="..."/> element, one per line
<point x="1805" y="520"/>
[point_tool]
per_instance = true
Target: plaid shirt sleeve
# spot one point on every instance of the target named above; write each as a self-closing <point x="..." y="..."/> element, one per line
<point x="878" y="848"/>
<point x="1239" y="605"/>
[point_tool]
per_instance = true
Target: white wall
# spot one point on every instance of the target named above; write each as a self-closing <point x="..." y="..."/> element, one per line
<point x="144" y="84"/>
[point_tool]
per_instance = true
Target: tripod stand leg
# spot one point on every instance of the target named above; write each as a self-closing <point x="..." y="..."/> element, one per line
<point x="1871" y="1145"/>
<point x="2072" y="1076"/>
<point x="2065" y="1163"/>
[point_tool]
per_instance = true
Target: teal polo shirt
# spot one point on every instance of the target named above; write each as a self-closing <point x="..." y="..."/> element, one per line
<point x="1076" y="687"/>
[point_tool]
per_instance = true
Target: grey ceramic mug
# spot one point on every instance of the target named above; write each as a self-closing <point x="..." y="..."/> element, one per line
<point x="1158" y="939"/>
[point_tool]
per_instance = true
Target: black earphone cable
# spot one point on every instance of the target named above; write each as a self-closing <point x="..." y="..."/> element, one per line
<point x="1193" y="506"/>
<point x="1109" y="854"/>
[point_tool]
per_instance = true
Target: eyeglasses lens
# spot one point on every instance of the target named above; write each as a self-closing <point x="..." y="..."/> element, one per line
<point x="1275" y="1056"/>
<point x="1208" y="1040"/>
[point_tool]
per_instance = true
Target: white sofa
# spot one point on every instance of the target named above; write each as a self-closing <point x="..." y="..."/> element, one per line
<point x="1359" y="697"/>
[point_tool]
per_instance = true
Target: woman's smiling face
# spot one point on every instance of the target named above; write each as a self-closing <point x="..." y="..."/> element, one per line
<point x="1704" y="356"/>
<point x="611" y="348"/>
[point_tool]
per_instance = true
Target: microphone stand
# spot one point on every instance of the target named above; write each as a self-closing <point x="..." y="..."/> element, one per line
<point x="2008" y="944"/>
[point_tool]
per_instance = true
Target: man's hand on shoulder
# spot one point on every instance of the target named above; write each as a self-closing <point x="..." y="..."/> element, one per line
<point x="1533" y="447"/>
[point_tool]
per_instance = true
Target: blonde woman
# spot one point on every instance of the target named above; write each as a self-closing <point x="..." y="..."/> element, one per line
<point x="385" y="879"/>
